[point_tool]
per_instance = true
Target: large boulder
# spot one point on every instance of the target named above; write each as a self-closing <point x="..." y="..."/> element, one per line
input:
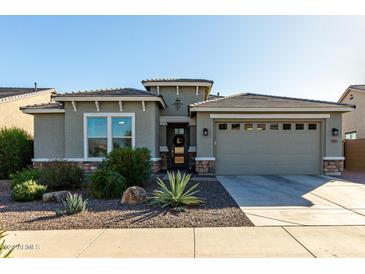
<point x="134" y="195"/>
<point x="57" y="196"/>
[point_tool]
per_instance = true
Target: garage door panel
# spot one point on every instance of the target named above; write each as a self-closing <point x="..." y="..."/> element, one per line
<point x="297" y="158"/>
<point x="269" y="170"/>
<point x="240" y="152"/>
<point x="266" y="149"/>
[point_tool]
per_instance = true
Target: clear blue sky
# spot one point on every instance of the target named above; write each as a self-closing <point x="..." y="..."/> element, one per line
<point x="310" y="57"/>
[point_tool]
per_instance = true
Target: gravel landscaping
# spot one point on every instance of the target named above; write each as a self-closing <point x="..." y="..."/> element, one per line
<point x="219" y="210"/>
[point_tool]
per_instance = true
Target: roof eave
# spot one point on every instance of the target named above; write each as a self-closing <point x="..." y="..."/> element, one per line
<point x="25" y="95"/>
<point x="60" y="98"/>
<point x="40" y="111"/>
<point x="322" y="109"/>
<point x="177" y="83"/>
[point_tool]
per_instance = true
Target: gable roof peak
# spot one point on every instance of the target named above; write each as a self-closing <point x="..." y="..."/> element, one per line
<point x="358" y="87"/>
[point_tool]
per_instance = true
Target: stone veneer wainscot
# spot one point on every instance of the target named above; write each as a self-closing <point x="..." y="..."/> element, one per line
<point x="205" y="166"/>
<point x="333" y="166"/>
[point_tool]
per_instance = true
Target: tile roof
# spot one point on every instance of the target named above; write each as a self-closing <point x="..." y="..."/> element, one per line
<point x="52" y="105"/>
<point x="7" y="92"/>
<point x="252" y="100"/>
<point x="215" y="96"/>
<point x="129" y="92"/>
<point x="177" y="80"/>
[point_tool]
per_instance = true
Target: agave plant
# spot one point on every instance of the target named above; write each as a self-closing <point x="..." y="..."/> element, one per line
<point x="3" y="252"/>
<point x="74" y="203"/>
<point x="177" y="195"/>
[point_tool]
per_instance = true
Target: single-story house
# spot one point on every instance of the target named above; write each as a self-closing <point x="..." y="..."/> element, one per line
<point x="184" y="126"/>
<point x="353" y="122"/>
<point x="12" y="98"/>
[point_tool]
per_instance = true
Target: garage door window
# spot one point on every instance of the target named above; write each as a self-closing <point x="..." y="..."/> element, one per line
<point x="248" y="126"/>
<point x="222" y="126"/>
<point x="261" y="126"/>
<point x="235" y="126"/>
<point x="312" y="126"/>
<point x="286" y="126"/>
<point x="274" y="126"/>
<point x="299" y="126"/>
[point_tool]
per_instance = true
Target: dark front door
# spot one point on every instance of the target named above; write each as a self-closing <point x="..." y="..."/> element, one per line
<point x="178" y="143"/>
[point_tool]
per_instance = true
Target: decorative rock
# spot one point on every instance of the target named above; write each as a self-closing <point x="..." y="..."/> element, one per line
<point x="57" y="196"/>
<point x="134" y="195"/>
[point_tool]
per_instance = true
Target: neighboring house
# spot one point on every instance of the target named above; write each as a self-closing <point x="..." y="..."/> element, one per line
<point x="183" y="127"/>
<point x="353" y="123"/>
<point x="11" y="99"/>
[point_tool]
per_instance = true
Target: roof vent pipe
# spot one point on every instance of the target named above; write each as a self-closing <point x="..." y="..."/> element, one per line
<point x="217" y="93"/>
<point x="35" y="86"/>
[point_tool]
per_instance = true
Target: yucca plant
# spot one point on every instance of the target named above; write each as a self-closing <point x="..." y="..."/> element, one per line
<point x="177" y="195"/>
<point x="74" y="203"/>
<point x="3" y="252"/>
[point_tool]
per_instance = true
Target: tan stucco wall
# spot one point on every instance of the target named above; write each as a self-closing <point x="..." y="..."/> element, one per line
<point x="330" y="146"/>
<point x="147" y="125"/>
<point x="49" y="136"/>
<point x="187" y="95"/>
<point x="333" y="144"/>
<point x="204" y="144"/>
<point x="355" y="120"/>
<point x="12" y="116"/>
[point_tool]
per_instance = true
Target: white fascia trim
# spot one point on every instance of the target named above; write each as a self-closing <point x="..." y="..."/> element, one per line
<point x="192" y="149"/>
<point x="164" y="149"/>
<point x="270" y="116"/>
<point x="108" y="115"/>
<point x="205" y="158"/>
<point x="108" y="99"/>
<point x="177" y="119"/>
<point x="67" y="159"/>
<point x="35" y="111"/>
<point x="25" y="95"/>
<point x="77" y="159"/>
<point x="206" y="109"/>
<point x="334" y="158"/>
<point x="181" y="84"/>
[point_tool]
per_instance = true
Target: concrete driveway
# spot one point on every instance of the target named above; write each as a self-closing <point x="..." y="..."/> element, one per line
<point x="297" y="200"/>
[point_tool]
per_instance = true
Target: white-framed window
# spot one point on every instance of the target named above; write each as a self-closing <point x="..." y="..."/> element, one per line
<point x="104" y="132"/>
<point x="351" y="135"/>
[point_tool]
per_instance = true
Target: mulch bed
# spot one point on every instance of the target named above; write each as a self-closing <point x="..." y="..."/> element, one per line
<point x="219" y="210"/>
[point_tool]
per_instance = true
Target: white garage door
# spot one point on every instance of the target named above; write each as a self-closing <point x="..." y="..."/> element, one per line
<point x="267" y="148"/>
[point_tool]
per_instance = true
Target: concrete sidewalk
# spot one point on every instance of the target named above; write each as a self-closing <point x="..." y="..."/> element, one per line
<point x="260" y="242"/>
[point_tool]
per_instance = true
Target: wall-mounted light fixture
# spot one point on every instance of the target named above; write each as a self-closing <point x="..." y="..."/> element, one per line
<point x="205" y="132"/>
<point x="334" y="132"/>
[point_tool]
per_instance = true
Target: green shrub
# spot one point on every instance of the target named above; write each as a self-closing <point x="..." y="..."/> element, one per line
<point x="4" y="253"/>
<point x="23" y="176"/>
<point x="106" y="184"/>
<point x="176" y="195"/>
<point x="28" y="191"/>
<point x="61" y="175"/>
<point x="133" y="164"/>
<point x="74" y="203"/>
<point x="16" y="150"/>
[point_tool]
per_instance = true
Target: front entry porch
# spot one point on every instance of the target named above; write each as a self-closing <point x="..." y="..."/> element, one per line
<point x="177" y="154"/>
